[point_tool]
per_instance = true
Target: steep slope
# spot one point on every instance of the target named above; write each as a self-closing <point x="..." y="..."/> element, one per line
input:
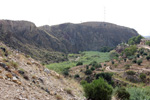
<point x="26" y="37"/>
<point x="47" y="43"/>
<point x="90" y="35"/>
<point x="23" y="78"/>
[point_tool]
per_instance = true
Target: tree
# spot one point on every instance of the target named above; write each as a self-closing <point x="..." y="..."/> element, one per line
<point x="98" y="90"/>
<point x="135" y="40"/>
<point x="130" y="50"/>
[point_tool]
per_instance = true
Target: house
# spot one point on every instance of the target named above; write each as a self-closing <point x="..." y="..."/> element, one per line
<point x="143" y="41"/>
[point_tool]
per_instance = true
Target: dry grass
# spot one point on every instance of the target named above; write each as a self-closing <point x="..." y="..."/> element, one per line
<point x="69" y="91"/>
<point x="9" y="75"/>
<point x="58" y="97"/>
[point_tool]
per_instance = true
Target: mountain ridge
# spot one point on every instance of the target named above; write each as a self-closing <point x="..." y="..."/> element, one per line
<point x="52" y="42"/>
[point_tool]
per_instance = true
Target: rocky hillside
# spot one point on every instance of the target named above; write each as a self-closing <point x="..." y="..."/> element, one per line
<point x="45" y="43"/>
<point x="23" y="78"/>
<point x="90" y="35"/>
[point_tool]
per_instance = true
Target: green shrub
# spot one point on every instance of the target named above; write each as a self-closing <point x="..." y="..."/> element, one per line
<point x="139" y="62"/>
<point x="138" y="55"/>
<point x="112" y="62"/>
<point x="107" y="76"/>
<point x="148" y="57"/>
<point x="79" y="63"/>
<point x="145" y="53"/>
<point x="127" y="66"/>
<point x="105" y="65"/>
<point x="139" y="93"/>
<point x="98" y="90"/>
<point x="88" y="72"/>
<point x="125" y="59"/>
<point x="92" y="68"/>
<point x="122" y="94"/>
<point x="87" y="67"/>
<point x="66" y="71"/>
<point x="130" y="72"/>
<point x="76" y="76"/>
<point x="143" y="76"/>
<point x="134" y="61"/>
<point x="83" y="82"/>
<point x="98" y="66"/>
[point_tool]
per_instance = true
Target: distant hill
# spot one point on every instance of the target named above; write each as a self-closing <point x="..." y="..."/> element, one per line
<point x="89" y="35"/>
<point x="46" y="43"/>
<point x="147" y="37"/>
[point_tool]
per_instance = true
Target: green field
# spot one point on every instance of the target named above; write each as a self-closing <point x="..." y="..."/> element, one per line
<point x="86" y="57"/>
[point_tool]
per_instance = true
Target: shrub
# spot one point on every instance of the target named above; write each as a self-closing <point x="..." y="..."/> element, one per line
<point x="66" y="71"/>
<point x="105" y="75"/>
<point x="139" y="62"/>
<point x="88" y="72"/>
<point x="76" y="76"/>
<point x="127" y="66"/>
<point x="79" y="63"/>
<point x="87" y="67"/>
<point x="130" y="72"/>
<point x="83" y="82"/>
<point x="98" y="90"/>
<point x="112" y="62"/>
<point x="148" y="57"/>
<point x="98" y="66"/>
<point x="125" y="59"/>
<point x="134" y="61"/>
<point x="104" y="64"/>
<point x="138" y="55"/>
<point x="142" y="76"/>
<point x="139" y="93"/>
<point x="144" y="53"/>
<point x="122" y="94"/>
<point x="92" y="68"/>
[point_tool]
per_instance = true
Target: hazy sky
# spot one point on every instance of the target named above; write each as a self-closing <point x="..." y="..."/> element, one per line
<point x="130" y="13"/>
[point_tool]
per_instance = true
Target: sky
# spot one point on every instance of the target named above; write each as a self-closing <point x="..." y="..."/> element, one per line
<point x="130" y="13"/>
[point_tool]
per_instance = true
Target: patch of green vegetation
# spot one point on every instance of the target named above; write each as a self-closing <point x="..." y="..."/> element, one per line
<point x="86" y="58"/>
<point x="59" y="67"/>
<point x="94" y="56"/>
<point x="139" y="93"/>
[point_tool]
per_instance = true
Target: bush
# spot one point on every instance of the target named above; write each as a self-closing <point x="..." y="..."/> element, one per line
<point x="130" y="51"/>
<point x="105" y="75"/>
<point x="139" y="62"/>
<point x="125" y="59"/>
<point x="122" y="94"/>
<point x="98" y="90"/>
<point x="104" y="64"/>
<point x="142" y="76"/>
<point x="134" y="61"/>
<point x="76" y="76"/>
<point x="112" y="62"/>
<point x="139" y="93"/>
<point x="87" y="67"/>
<point x="130" y="72"/>
<point x="92" y="68"/>
<point x="88" y="72"/>
<point x="138" y="55"/>
<point x="83" y="82"/>
<point x="148" y="57"/>
<point x="79" y="63"/>
<point x="127" y="66"/>
<point x="66" y="71"/>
